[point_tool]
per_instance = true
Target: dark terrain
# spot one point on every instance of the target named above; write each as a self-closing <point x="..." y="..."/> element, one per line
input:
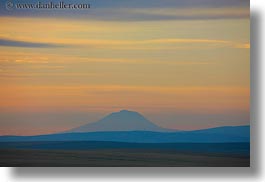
<point x="123" y="154"/>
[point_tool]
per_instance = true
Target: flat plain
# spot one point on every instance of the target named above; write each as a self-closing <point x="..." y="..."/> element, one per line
<point x="135" y="156"/>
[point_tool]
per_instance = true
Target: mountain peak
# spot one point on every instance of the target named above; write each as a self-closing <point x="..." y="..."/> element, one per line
<point x="126" y="111"/>
<point x="123" y="120"/>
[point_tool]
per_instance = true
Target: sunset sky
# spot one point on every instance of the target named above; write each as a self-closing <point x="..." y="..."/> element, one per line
<point x="182" y="64"/>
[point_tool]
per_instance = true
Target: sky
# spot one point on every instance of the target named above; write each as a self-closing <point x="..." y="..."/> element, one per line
<point x="182" y="64"/>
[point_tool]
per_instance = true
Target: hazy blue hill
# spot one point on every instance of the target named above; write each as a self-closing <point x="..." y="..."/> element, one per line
<point x="212" y="135"/>
<point x="120" y="121"/>
<point x="227" y="130"/>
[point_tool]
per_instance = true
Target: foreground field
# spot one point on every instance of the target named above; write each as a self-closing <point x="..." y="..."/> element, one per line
<point x="137" y="156"/>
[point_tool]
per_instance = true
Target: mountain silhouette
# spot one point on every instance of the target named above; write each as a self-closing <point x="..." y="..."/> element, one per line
<point x="132" y="127"/>
<point x="227" y="134"/>
<point x="123" y="120"/>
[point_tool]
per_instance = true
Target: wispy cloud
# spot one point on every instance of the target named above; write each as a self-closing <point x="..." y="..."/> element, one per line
<point x="243" y="46"/>
<point x="17" y="43"/>
<point x="169" y="3"/>
<point x="190" y="13"/>
<point x="150" y="44"/>
<point x="158" y="44"/>
<point x="125" y="10"/>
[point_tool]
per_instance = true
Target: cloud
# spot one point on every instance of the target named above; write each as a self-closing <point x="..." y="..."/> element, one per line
<point x="190" y="13"/>
<point x="150" y="44"/>
<point x="16" y="43"/>
<point x="170" y="3"/>
<point x="243" y="46"/>
<point x="158" y="44"/>
<point x="138" y="10"/>
<point x="153" y="3"/>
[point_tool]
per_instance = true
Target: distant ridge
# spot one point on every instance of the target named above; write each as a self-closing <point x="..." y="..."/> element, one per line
<point x="228" y="134"/>
<point x="132" y="127"/>
<point x="123" y="120"/>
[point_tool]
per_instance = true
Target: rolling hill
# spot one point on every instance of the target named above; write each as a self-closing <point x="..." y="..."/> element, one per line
<point x="213" y="135"/>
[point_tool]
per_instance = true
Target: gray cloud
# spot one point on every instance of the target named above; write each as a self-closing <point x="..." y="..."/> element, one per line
<point x="15" y="43"/>
<point x="170" y="3"/>
<point x="111" y="10"/>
